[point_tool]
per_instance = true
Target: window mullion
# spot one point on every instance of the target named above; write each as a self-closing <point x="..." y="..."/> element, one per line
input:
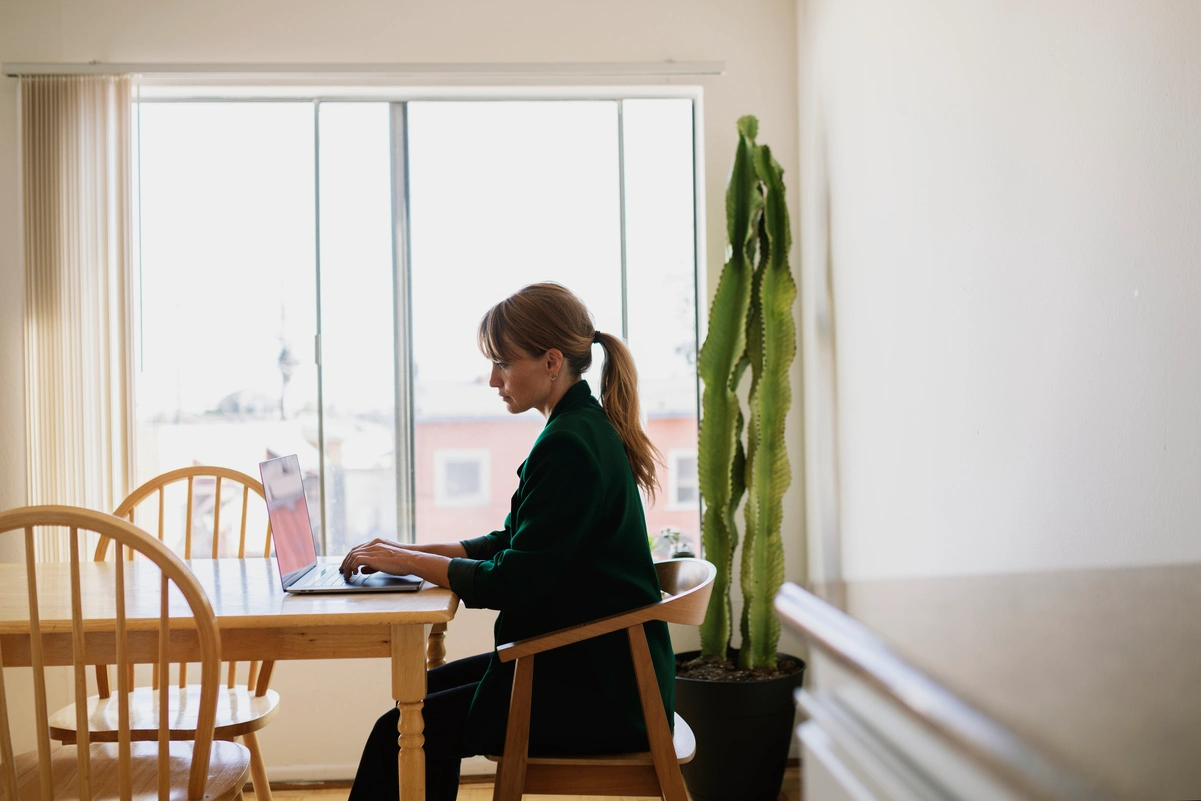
<point x="621" y="201"/>
<point x="406" y="490"/>
<point x="317" y="343"/>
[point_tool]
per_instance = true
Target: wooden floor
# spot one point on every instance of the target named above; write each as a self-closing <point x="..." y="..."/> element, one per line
<point x="483" y="792"/>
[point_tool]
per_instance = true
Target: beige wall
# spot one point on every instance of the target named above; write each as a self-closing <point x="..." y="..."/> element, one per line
<point x="12" y="313"/>
<point x="1014" y="194"/>
<point x="755" y="38"/>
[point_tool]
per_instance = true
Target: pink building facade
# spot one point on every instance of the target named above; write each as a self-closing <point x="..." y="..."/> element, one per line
<point x="466" y="472"/>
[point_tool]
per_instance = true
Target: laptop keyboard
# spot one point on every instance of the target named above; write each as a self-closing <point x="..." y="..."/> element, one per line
<point x="332" y="577"/>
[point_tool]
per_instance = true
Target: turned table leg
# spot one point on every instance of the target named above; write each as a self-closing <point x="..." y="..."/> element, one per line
<point x="408" y="688"/>
<point x="435" y="648"/>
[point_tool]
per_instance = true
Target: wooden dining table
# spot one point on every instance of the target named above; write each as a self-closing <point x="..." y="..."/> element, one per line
<point x="258" y="622"/>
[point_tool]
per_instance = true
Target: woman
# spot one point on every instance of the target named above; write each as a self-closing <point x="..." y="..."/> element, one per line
<point x="573" y="549"/>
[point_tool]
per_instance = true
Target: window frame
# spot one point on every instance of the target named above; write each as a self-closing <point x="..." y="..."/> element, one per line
<point x="198" y="89"/>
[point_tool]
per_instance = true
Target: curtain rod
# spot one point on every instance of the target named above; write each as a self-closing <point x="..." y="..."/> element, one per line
<point x="432" y="70"/>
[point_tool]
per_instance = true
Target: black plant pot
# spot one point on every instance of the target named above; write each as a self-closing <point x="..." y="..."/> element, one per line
<point x="743" y="732"/>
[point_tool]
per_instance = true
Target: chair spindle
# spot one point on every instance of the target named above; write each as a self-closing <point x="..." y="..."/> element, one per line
<point x="164" y="734"/>
<point x="124" y="683"/>
<point x="45" y="778"/>
<point x="242" y="528"/>
<point x="162" y="503"/>
<point x="6" y="740"/>
<point x="82" y="740"/>
<point x="217" y="517"/>
<point x="187" y="542"/>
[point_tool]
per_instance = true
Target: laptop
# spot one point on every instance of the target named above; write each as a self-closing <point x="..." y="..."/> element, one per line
<point x="295" y="548"/>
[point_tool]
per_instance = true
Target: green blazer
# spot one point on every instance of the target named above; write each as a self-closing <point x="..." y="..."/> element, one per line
<point x="574" y="548"/>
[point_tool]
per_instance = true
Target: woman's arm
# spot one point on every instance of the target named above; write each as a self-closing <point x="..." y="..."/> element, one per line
<point x="430" y="562"/>
<point x="451" y="549"/>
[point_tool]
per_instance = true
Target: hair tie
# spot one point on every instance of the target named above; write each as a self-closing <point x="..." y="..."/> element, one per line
<point x="596" y="336"/>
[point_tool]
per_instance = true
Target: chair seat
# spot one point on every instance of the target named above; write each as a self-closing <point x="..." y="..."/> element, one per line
<point x="229" y="766"/>
<point x="682" y="738"/>
<point x="238" y="711"/>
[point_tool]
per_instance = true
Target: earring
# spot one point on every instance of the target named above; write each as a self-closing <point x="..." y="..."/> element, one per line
<point x="553" y="377"/>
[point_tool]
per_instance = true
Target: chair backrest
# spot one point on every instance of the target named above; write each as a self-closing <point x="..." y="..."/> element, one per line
<point x="688" y="582"/>
<point x="41" y="629"/>
<point x="209" y="479"/>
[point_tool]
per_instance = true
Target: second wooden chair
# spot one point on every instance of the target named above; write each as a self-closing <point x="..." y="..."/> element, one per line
<point x="244" y="705"/>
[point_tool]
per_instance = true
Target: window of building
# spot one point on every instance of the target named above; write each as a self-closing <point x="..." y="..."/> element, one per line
<point x="462" y="478"/>
<point x="312" y="274"/>
<point x="684" y="489"/>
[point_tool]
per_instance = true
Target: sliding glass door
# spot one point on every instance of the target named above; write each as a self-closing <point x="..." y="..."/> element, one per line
<point x="313" y="275"/>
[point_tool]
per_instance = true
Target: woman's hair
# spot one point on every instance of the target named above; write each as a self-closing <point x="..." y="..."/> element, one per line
<point x="544" y="316"/>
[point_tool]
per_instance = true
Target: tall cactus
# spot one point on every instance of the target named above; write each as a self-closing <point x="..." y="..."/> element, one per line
<point x="750" y="325"/>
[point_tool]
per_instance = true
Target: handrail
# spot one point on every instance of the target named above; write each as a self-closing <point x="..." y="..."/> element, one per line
<point x="1000" y="751"/>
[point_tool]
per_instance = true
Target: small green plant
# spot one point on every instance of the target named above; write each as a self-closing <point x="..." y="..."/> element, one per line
<point x="676" y="542"/>
<point x="750" y="326"/>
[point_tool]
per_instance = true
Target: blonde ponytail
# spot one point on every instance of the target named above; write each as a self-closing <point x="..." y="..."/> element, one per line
<point x="619" y="399"/>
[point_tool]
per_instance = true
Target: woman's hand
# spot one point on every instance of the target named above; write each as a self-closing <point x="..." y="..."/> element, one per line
<point x="378" y="556"/>
<point x="389" y="556"/>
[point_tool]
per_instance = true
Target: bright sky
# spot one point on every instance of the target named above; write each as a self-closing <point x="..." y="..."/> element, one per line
<point x="501" y="194"/>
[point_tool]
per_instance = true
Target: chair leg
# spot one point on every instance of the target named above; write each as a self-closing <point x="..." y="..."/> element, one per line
<point x="258" y="771"/>
<point x="667" y="768"/>
<point x="510" y="773"/>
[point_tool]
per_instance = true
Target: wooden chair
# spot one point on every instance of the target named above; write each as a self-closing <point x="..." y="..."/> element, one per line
<point x="686" y="584"/>
<point x="241" y="710"/>
<point x="201" y="768"/>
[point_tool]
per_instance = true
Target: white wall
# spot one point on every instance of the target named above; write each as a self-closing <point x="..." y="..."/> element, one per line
<point x="755" y="38"/>
<point x="1014" y="196"/>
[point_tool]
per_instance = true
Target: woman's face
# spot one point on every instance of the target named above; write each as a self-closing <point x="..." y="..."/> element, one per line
<point x="524" y="382"/>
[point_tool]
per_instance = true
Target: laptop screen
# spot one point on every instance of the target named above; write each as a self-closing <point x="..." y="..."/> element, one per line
<point x="291" y="530"/>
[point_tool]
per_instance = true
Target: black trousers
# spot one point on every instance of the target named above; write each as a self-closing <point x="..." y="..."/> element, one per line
<point x="449" y="690"/>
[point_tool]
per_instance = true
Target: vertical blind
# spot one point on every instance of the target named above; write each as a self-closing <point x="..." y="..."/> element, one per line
<point x="76" y="168"/>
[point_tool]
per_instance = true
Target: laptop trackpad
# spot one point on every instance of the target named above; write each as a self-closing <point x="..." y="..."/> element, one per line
<point x="388" y="580"/>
